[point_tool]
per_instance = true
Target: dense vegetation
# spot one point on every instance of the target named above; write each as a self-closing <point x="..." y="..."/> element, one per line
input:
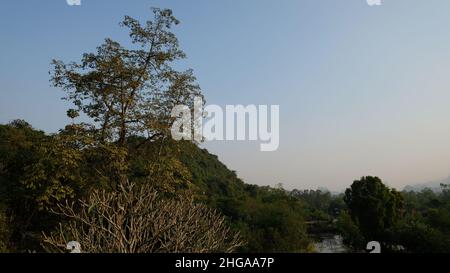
<point x="268" y="219"/>
<point x="35" y="176"/>
<point x="400" y="221"/>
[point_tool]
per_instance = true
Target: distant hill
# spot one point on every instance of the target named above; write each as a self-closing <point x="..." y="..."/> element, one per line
<point x="269" y="219"/>
<point x="433" y="185"/>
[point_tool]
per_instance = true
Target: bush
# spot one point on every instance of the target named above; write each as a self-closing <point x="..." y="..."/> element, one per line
<point x="135" y="219"/>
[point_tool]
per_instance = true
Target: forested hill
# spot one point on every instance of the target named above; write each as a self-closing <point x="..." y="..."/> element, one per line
<point x="212" y="176"/>
<point x="270" y="219"/>
<point x="39" y="171"/>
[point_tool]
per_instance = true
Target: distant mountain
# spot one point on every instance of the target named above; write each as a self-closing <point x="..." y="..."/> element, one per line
<point x="433" y="185"/>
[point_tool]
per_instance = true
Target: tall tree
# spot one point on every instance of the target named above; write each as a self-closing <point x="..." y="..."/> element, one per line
<point x="130" y="91"/>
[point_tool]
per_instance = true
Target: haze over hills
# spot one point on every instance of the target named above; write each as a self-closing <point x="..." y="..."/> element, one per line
<point x="433" y="185"/>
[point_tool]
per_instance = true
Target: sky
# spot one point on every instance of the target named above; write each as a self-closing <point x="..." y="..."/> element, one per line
<point x="363" y="90"/>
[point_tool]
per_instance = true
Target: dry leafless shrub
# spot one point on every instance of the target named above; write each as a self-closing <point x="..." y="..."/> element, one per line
<point x="135" y="219"/>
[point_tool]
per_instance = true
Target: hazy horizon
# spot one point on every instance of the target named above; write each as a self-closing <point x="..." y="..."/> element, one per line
<point x="362" y="89"/>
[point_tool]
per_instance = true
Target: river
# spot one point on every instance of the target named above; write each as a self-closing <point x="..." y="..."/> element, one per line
<point x="329" y="243"/>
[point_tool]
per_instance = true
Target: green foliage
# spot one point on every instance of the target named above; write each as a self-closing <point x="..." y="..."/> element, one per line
<point x="39" y="172"/>
<point x="418" y="237"/>
<point x="270" y="220"/>
<point x="274" y="222"/>
<point x="373" y="207"/>
<point x="159" y="161"/>
<point x="321" y="208"/>
<point x="350" y="232"/>
<point x="416" y="222"/>
<point x="426" y="225"/>
<point x="5" y="232"/>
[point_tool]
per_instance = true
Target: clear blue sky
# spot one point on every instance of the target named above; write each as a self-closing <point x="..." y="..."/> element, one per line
<point x="362" y="90"/>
